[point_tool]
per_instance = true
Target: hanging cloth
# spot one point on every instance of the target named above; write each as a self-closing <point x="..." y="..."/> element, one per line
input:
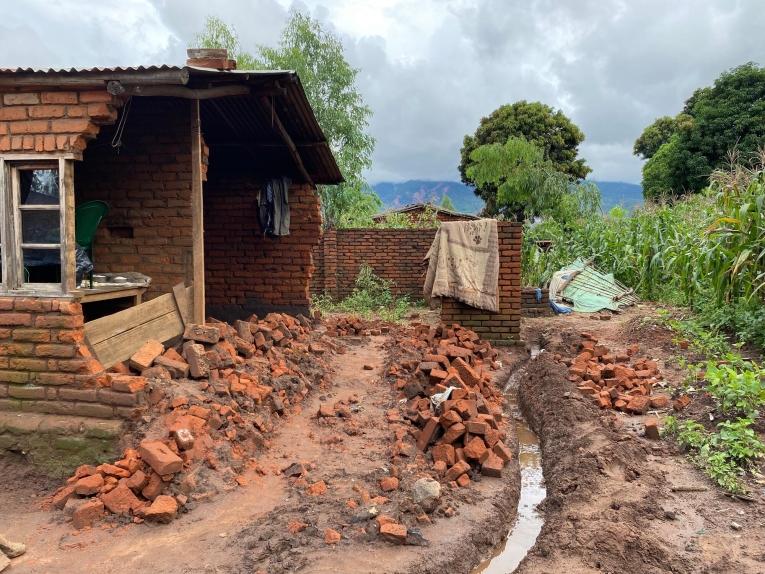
<point x="274" y="207"/>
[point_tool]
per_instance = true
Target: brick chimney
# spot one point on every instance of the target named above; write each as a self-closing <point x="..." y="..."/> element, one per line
<point x="210" y="58"/>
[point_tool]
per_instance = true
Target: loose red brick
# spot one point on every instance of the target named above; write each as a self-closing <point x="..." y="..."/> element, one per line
<point x="492" y="465"/>
<point x="389" y="483"/>
<point x="681" y="402"/>
<point x="121" y="500"/>
<point x="202" y="333"/>
<point x="453" y="433"/>
<point x="427" y="434"/>
<point x="458" y="469"/>
<point x="159" y="456"/>
<point x="89" y="485"/>
<point x="144" y="357"/>
<point x="331" y="536"/>
<point x="474" y="448"/>
<point x="443" y="452"/>
<point x="502" y="451"/>
<point x="394" y="532"/>
<point x="163" y="509"/>
<point x="652" y="428"/>
<point x="87" y="513"/>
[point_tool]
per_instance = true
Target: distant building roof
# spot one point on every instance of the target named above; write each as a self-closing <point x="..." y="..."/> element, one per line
<point x="423" y="206"/>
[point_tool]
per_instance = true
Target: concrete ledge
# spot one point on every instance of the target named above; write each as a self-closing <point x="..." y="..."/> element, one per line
<point x="57" y="444"/>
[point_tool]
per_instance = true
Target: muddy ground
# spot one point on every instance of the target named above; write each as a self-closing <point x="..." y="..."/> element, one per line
<point x="273" y="523"/>
<point x="610" y="503"/>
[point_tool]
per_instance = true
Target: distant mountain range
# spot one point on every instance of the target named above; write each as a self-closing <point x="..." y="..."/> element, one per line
<point x="395" y="195"/>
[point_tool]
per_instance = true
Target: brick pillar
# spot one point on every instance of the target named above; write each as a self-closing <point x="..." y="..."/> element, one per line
<point x="46" y="366"/>
<point x="505" y="325"/>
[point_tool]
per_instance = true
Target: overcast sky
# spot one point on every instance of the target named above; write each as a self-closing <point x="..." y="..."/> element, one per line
<point x="430" y="69"/>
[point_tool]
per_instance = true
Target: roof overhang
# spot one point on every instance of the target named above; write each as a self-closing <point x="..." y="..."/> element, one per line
<point x="254" y="110"/>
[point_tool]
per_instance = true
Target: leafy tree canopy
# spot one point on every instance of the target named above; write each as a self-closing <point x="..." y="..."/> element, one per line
<point x="549" y="130"/>
<point x="527" y="184"/>
<point x="330" y="85"/>
<point x="654" y="136"/>
<point x="715" y="120"/>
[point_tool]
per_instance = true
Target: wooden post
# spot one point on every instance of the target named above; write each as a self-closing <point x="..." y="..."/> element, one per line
<point x="197" y="216"/>
<point x="66" y="193"/>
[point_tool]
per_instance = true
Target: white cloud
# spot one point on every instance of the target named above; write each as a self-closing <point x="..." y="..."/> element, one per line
<point x="430" y="69"/>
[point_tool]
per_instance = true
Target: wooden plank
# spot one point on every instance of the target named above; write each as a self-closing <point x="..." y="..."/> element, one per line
<point x="106" y="295"/>
<point x="183" y="296"/>
<point x="66" y="197"/>
<point x="16" y="271"/>
<point x="37" y="157"/>
<point x="119" y="89"/>
<point x="122" y="346"/>
<point x="287" y="140"/>
<point x="3" y="227"/>
<point x="113" y="325"/>
<point x="197" y="216"/>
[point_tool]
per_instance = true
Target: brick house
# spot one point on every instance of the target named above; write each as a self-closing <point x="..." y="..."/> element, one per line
<point x="180" y="155"/>
<point x="417" y="211"/>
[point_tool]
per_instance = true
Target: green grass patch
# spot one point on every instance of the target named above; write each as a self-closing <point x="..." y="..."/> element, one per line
<point x="372" y="296"/>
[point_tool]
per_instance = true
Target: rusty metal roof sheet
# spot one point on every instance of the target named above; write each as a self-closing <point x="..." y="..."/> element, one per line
<point x="244" y="117"/>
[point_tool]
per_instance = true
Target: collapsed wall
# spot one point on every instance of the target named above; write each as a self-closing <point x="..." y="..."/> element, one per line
<point x="147" y="183"/>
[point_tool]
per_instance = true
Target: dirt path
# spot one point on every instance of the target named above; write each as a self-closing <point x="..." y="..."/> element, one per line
<point x="249" y="529"/>
<point x="610" y="505"/>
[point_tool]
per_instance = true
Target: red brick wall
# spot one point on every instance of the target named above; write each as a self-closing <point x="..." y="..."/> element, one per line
<point x="148" y="187"/>
<point x="394" y="254"/>
<point x="530" y="307"/>
<point x="45" y="367"/>
<point x="53" y="121"/>
<point x="247" y="272"/>
<point x="505" y="325"/>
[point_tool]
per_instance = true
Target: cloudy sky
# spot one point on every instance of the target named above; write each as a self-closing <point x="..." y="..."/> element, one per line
<point x="430" y="69"/>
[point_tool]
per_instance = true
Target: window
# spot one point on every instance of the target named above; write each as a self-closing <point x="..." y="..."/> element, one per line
<point x="33" y="238"/>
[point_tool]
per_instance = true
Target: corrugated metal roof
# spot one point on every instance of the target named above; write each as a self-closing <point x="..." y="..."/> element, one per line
<point x="415" y="206"/>
<point x="117" y="69"/>
<point x="243" y="117"/>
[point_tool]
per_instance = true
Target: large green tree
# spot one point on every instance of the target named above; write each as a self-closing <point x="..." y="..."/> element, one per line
<point x="715" y="120"/>
<point x="329" y="81"/>
<point x="548" y="129"/>
<point x="654" y="136"/>
<point x="527" y="184"/>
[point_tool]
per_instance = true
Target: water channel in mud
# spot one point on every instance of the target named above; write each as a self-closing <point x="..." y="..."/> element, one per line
<point x="528" y="522"/>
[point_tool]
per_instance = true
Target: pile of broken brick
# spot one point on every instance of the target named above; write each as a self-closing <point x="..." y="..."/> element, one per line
<point x="450" y="396"/>
<point x="212" y="400"/>
<point x="621" y="381"/>
<point x="353" y="325"/>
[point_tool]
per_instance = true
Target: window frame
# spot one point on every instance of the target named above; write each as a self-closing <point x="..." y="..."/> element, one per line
<point x="13" y="280"/>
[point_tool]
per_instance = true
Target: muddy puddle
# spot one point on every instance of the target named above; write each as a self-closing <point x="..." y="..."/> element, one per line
<point x="528" y="522"/>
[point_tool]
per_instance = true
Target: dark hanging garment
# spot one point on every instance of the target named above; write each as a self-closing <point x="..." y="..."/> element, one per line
<point x="274" y="207"/>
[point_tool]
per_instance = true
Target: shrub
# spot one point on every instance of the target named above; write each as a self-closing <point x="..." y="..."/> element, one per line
<point x="371" y="295"/>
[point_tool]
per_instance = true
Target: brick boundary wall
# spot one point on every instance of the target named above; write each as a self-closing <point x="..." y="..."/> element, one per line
<point x="393" y="254"/>
<point x="46" y="367"/>
<point x="529" y="305"/>
<point x="503" y="327"/>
